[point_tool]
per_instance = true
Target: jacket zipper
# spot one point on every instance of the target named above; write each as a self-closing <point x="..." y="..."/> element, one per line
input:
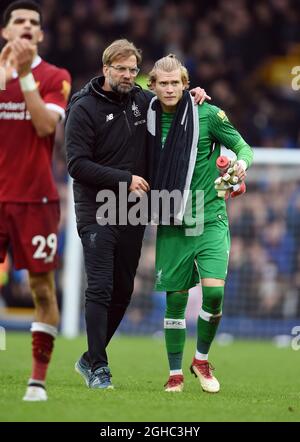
<point x="127" y="122"/>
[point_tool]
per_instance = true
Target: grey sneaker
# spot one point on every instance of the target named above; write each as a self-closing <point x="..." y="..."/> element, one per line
<point x="100" y="378"/>
<point x="82" y="367"/>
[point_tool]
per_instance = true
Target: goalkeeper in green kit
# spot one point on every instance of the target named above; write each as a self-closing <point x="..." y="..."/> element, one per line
<point x="185" y="140"/>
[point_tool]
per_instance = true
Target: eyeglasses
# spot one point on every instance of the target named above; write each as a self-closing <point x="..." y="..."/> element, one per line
<point x="123" y="69"/>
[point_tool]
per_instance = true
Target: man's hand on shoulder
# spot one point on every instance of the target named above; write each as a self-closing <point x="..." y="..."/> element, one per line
<point x="199" y="95"/>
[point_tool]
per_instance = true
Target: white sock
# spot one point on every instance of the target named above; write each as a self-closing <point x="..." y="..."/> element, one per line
<point x="201" y="356"/>
<point x="175" y="372"/>
<point x="45" y="328"/>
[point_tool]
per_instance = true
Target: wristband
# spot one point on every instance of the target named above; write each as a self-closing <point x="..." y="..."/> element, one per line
<point x="28" y="83"/>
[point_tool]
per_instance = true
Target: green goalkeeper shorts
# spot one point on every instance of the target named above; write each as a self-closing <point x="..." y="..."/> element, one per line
<point x="181" y="261"/>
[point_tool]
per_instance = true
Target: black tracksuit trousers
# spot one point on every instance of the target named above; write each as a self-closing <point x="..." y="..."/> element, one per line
<point x="111" y="256"/>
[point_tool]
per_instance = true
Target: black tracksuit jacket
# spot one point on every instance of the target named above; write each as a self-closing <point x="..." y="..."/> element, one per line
<point x="105" y="137"/>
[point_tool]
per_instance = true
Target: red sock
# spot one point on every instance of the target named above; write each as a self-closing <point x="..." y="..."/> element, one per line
<point x="42" y="346"/>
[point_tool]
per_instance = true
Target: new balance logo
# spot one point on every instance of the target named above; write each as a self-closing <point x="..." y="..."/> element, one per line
<point x="93" y="240"/>
<point x="109" y="117"/>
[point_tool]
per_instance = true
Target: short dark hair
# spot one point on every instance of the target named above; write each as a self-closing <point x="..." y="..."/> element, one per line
<point x="20" y="4"/>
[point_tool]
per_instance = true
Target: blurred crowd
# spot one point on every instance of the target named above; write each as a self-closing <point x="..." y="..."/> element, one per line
<point x="242" y="52"/>
<point x="264" y="274"/>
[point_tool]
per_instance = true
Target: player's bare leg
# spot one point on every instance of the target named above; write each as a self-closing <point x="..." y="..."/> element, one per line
<point x="208" y="321"/>
<point x="44" y="331"/>
<point x="44" y="296"/>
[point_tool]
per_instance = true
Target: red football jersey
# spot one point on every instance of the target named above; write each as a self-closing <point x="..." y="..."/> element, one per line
<point x="25" y="158"/>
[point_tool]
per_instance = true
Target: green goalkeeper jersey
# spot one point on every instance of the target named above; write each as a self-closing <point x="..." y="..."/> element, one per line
<point x="214" y="130"/>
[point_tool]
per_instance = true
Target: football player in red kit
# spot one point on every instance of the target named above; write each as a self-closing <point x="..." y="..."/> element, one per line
<point x="32" y="103"/>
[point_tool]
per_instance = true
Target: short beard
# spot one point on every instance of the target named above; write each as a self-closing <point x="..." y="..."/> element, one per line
<point x="118" y="88"/>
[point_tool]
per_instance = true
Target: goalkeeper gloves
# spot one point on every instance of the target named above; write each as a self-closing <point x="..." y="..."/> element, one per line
<point x="228" y="184"/>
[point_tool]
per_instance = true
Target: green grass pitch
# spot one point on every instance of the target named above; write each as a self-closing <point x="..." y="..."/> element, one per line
<point x="259" y="382"/>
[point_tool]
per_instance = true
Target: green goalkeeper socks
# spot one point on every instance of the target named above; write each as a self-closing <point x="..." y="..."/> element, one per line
<point x="209" y="317"/>
<point x="175" y="328"/>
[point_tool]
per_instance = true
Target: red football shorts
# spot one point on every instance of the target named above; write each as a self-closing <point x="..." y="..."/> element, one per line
<point x="31" y="231"/>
